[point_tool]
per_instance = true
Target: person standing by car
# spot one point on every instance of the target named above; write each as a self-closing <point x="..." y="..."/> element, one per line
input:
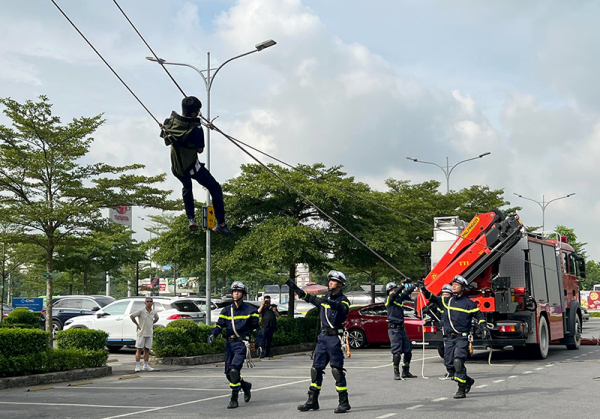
<point x="240" y="322"/>
<point x="268" y="325"/>
<point x="145" y="332"/>
<point x="334" y="307"/>
<point x="398" y="337"/>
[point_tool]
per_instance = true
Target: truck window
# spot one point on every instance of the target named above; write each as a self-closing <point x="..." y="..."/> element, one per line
<point x="552" y="278"/>
<point x="572" y="264"/>
<point x="538" y="278"/>
<point x="565" y="262"/>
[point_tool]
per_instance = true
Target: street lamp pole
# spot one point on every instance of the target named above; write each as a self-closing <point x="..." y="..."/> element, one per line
<point x="208" y="81"/>
<point x="543" y="205"/>
<point x="448" y="170"/>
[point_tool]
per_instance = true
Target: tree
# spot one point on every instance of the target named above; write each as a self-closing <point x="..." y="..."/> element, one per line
<point x="569" y="233"/>
<point x="48" y="191"/>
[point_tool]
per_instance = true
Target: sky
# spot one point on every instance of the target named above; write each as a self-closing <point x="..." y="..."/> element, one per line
<point x="353" y="83"/>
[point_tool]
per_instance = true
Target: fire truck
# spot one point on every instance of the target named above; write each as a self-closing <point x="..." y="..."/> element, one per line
<point x="525" y="284"/>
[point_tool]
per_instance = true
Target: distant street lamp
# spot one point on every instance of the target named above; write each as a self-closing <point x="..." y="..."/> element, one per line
<point x="448" y="170"/>
<point x="543" y="205"/>
<point x="208" y="81"/>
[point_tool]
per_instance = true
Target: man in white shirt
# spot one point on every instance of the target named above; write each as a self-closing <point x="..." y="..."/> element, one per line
<point x="145" y="330"/>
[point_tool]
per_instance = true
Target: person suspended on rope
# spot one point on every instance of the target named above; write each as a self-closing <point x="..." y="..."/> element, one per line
<point x="240" y="321"/>
<point x="398" y="337"/>
<point x="334" y="308"/>
<point x="185" y="136"/>
<point x="459" y="311"/>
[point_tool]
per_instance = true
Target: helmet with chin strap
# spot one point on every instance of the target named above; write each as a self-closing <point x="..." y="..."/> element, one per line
<point x="239" y="286"/>
<point x="337" y="276"/>
<point x="447" y="288"/>
<point x="390" y="286"/>
<point x="459" y="279"/>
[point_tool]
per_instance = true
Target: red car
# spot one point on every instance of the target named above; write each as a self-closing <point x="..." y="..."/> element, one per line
<point x="368" y="325"/>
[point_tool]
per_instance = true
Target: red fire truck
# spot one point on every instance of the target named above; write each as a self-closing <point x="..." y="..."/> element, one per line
<point x="525" y="284"/>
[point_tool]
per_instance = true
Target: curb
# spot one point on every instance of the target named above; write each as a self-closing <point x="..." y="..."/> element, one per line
<point x="54" y="377"/>
<point x="212" y="358"/>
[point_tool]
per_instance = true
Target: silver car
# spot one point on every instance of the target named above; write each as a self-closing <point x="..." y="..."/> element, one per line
<point x="585" y="316"/>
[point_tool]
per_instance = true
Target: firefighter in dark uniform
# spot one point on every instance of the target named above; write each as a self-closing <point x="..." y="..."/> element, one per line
<point x="396" y="332"/>
<point x="447" y="292"/>
<point x="456" y="319"/>
<point x="240" y="321"/>
<point x="334" y="308"/>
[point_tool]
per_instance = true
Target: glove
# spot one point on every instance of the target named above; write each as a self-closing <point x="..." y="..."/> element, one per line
<point x="292" y="284"/>
<point x="210" y="339"/>
<point x="485" y="333"/>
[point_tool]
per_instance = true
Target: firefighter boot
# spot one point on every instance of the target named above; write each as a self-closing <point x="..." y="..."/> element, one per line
<point x="246" y="387"/>
<point x="344" y="405"/>
<point x="233" y="402"/>
<point x="397" y="373"/>
<point x="396" y="363"/>
<point x="311" y="403"/>
<point x="460" y="394"/>
<point x="406" y="373"/>
<point x="468" y="384"/>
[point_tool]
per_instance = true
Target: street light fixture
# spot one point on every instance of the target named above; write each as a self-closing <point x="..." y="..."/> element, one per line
<point x="543" y="205"/>
<point x="208" y="80"/>
<point x="448" y="170"/>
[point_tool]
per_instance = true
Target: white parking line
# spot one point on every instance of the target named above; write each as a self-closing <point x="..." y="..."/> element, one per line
<point x="440" y="399"/>
<point x="513" y="376"/>
<point x="498" y="381"/>
<point x="76" y="405"/>
<point x="527" y="372"/>
<point x="539" y="369"/>
<point x="414" y="407"/>
<point x="201" y="400"/>
<point x="148" y="388"/>
<point x="389" y="415"/>
<point x="482" y="386"/>
<point x="549" y="365"/>
<point x="389" y="363"/>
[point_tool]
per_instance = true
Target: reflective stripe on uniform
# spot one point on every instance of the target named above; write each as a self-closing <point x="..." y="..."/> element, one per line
<point x="463" y="310"/>
<point x="482" y="320"/>
<point x="347" y="303"/>
<point x="235" y="385"/>
<point x="326" y="305"/>
<point x="247" y="316"/>
<point x="315" y="386"/>
<point x="387" y="302"/>
<point x="460" y="380"/>
<point x="341" y="388"/>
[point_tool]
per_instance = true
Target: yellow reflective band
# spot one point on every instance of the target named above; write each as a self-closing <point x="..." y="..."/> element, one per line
<point x="463" y="310"/>
<point x="235" y="385"/>
<point x="482" y="321"/>
<point x="326" y="305"/>
<point x="238" y="317"/>
<point x="216" y="325"/>
<point x="341" y="388"/>
<point x="460" y="380"/>
<point x="398" y="304"/>
<point x="387" y="301"/>
<point x="347" y="303"/>
<point x="315" y="386"/>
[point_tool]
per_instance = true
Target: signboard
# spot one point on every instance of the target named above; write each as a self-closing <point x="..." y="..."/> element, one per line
<point x="584" y="295"/>
<point x="208" y="217"/>
<point x="121" y="215"/>
<point x="34" y="304"/>
<point x="594" y="300"/>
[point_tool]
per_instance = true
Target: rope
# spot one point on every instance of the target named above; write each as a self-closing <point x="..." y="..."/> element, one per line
<point x="423" y="360"/>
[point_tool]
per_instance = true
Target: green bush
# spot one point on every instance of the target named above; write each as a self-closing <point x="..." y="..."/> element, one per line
<point x="16" y="342"/>
<point x="22" y="318"/>
<point x="594" y="313"/>
<point x="89" y="339"/>
<point x="313" y="312"/>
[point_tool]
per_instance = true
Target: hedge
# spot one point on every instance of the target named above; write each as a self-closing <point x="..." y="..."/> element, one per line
<point x="90" y="339"/>
<point x="25" y="351"/>
<point x="22" y="318"/>
<point x="594" y="313"/>
<point x="185" y="338"/>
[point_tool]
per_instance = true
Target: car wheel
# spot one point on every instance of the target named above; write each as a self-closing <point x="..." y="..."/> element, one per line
<point x="577" y="338"/>
<point x="114" y="349"/>
<point x="357" y="339"/>
<point x="56" y="327"/>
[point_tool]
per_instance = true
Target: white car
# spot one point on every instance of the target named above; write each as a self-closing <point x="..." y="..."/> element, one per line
<point x="216" y="305"/>
<point x="114" y="318"/>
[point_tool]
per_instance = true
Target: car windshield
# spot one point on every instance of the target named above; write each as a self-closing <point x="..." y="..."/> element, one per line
<point x="104" y="301"/>
<point x="186" y="305"/>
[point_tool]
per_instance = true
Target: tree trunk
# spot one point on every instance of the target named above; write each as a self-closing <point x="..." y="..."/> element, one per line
<point x="373" y="276"/>
<point x="49" y="288"/>
<point x="85" y="279"/>
<point x="292" y="296"/>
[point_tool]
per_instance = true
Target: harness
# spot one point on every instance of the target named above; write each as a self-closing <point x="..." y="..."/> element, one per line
<point x="238" y="338"/>
<point x="342" y="334"/>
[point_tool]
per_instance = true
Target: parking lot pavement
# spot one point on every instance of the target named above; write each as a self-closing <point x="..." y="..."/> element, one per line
<point x="555" y="387"/>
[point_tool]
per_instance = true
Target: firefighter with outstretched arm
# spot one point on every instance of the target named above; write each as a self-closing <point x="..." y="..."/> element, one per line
<point x="398" y="338"/>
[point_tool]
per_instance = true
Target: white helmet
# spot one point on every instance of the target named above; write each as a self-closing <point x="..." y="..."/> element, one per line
<point x="460" y="280"/>
<point x="390" y="286"/>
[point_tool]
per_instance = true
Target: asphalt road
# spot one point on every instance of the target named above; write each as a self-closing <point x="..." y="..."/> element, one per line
<point x="564" y="384"/>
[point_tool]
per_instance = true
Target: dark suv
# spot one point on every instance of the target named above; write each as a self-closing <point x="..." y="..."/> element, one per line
<point x="64" y="308"/>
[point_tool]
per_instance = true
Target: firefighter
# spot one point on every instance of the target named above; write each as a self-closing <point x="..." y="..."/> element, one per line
<point x="396" y="332"/>
<point x="456" y="319"/>
<point x="447" y="292"/>
<point x="333" y="311"/>
<point x="240" y="321"/>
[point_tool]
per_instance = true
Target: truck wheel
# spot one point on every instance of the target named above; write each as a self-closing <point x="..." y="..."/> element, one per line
<point x="540" y="350"/>
<point x="441" y="352"/>
<point x="357" y="339"/>
<point x="577" y="338"/>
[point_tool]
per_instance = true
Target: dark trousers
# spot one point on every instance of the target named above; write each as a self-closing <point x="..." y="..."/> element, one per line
<point x="457" y="348"/>
<point x="235" y="354"/>
<point x="328" y="350"/>
<point x="204" y="178"/>
<point x="267" y="339"/>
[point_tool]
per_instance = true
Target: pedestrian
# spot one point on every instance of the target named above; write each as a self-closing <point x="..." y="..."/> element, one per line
<point x="398" y="338"/>
<point x="459" y="311"/>
<point x="185" y="136"/>
<point x="334" y="308"/>
<point x="146" y="317"/>
<point x="268" y="325"/>
<point x="240" y="321"/>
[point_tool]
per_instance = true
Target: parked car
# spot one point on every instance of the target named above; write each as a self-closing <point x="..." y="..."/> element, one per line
<point x="216" y="305"/>
<point x="67" y="307"/>
<point x="114" y="318"/>
<point x="283" y="309"/>
<point x="368" y="325"/>
<point x="585" y="316"/>
<point x="361" y="298"/>
<point x="7" y="309"/>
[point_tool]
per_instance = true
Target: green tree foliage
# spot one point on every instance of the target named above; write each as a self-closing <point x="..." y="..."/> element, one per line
<point x="592" y="271"/>
<point x="48" y="192"/>
<point x="569" y="233"/>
